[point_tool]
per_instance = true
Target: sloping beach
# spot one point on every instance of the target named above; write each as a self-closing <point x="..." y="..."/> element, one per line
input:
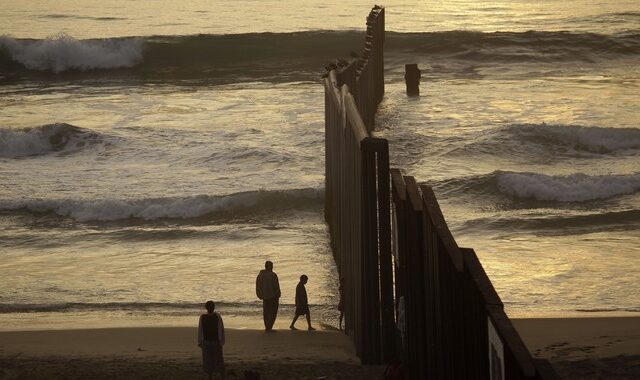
<point x="579" y="348"/>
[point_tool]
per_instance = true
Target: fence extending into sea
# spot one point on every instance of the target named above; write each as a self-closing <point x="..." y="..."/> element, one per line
<point x="411" y="293"/>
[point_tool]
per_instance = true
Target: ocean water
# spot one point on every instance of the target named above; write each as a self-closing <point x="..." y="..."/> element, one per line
<point x="155" y="154"/>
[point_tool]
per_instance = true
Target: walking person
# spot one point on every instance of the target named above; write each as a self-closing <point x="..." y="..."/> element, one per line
<point x="302" y="303"/>
<point x="268" y="290"/>
<point x="211" y="340"/>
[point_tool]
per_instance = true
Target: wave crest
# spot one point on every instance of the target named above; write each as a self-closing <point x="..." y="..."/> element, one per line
<point x="541" y="187"/>
<point x="554" y="141"/>
<point x="300" y="54"/>
<point x="535" y="46"/>
<point x="571" y="188"/>
<point x="15" y="143"/>
<point x="251" y="202"/>
<point x="63" y="52"/>
<point x="588" y="139"/>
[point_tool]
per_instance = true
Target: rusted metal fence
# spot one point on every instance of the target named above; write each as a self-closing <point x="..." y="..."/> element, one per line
<point x="357" y="212"/>
<point x="357" y="197"/>
<point x="410" y="291"/>
<point x="454" y="325"/>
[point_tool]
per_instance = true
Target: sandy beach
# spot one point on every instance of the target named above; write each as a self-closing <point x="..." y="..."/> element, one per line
<point x="579" y="348"/>
<point x="171" y="353"/>
<point x="585" y="348"/>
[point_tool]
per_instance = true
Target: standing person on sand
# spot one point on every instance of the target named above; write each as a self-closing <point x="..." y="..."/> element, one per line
<point x="268" y="290"/>
<point x="211" y="340"/>
<point x="302" y="303"/>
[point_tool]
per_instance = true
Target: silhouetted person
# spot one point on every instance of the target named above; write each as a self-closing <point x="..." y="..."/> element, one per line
<point x="302" y="303"/>
<point x="211" y="340"/>
<point x="341" y="304"/>
<point x="268" y="290"/>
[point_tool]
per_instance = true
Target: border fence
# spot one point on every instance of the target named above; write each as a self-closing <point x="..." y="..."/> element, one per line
<point x="357" y="195"/>
<point x="410" y="291"/>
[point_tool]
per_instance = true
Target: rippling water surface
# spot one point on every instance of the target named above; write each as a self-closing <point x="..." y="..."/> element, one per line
<point x="154" y="156"/>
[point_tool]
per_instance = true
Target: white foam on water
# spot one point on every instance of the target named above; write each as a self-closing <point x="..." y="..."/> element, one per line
<point x="48" y="138"/>
<point x="62" y="52"/>
<point x="572" y="188"/>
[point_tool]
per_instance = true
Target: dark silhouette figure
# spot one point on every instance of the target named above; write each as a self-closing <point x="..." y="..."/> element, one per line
<point x="341" y="305"/>
<point x="302" y="303"/>
<point x="268" y="290"/>
<point x="211" y="340"/>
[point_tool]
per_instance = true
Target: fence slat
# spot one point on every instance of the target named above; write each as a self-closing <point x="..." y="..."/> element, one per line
<point x="416" y="342"/>
<point x="385" y="262"/>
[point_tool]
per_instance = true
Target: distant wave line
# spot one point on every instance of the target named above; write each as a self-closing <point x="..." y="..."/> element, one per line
<point x="299" y="50"/>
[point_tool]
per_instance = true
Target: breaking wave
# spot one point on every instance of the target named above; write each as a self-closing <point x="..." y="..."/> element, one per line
<point x="571" y="188"/>
<point x="15" y="143"/>
<point x="243" y="54"/>
<point x="251" y="202"/>
<point x="542" y="187"/>
<point x="62" y="52"/>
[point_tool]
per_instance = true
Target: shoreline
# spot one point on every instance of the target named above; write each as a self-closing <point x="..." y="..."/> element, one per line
<point x="586" y="348"/>
<point x="95" y="319"/>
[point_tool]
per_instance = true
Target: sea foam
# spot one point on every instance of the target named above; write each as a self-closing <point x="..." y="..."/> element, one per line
<point x="571" y="188"/>
<point x="45" y="139"/>
<point x="62" y="52"/>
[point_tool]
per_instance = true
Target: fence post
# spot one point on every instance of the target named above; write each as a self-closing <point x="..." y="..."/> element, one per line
<point x="399" y="198"/>
<point x="388" y="327"/>
<point x="371" y="279"/>
<point x="415" y="283"/>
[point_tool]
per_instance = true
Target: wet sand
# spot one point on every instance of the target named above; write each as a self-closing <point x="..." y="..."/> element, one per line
<point x="579" y="348"/>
